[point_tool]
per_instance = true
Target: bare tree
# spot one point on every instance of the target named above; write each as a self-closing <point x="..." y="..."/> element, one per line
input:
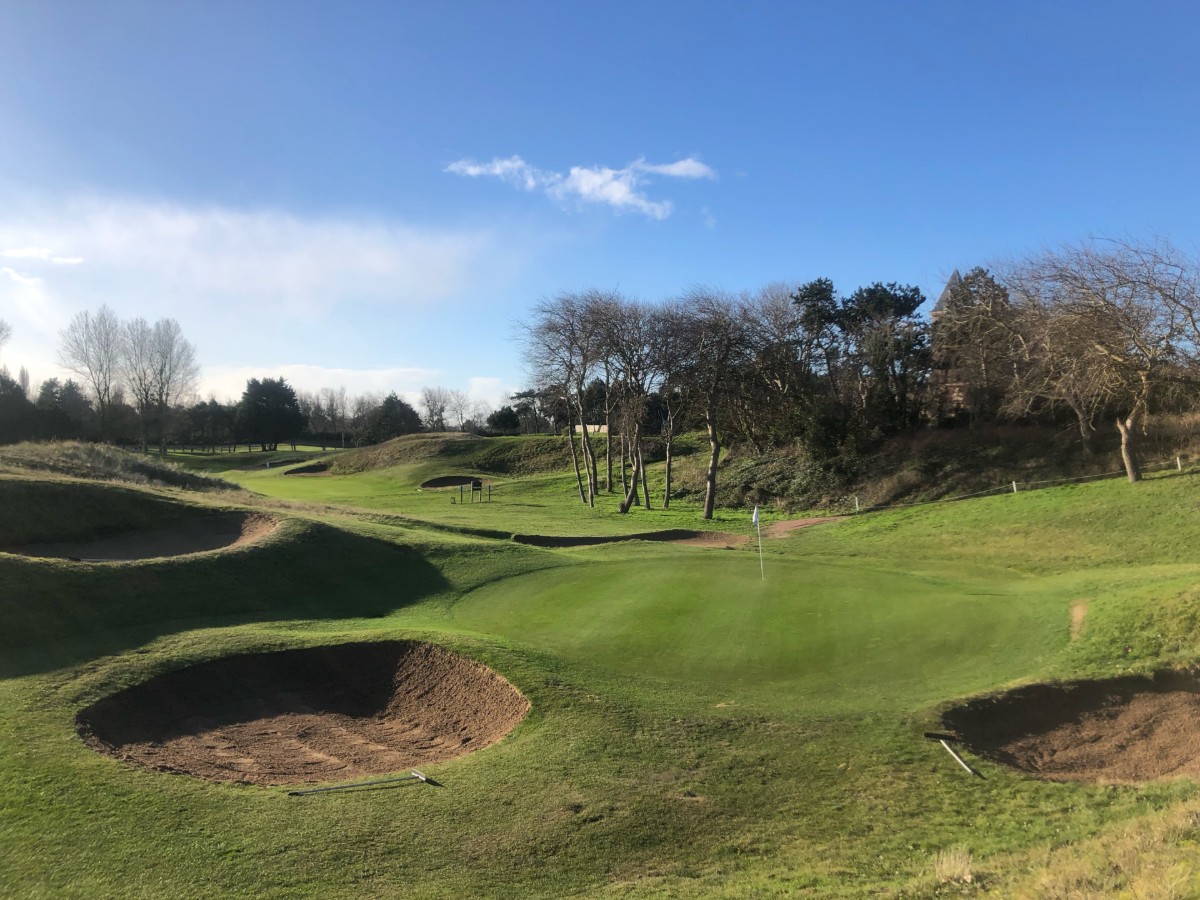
<point x="5" y="333"/>
<point x="90" y="346"/>
<point x="459" y="405"/>
<point x="1117" y="322"/>
<point x="435" y="401"/>
<point x="160" y="369"/>
<point x="719" y="339"/>
<point x="333" y="401"/>
<point x="563" y="346"/>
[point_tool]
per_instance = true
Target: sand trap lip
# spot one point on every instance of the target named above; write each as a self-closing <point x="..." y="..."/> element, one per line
<point x="301" y="716"/>
<point x="320" y="468"/>
<point x="672" y="535"/>
<point x="1123" y="730"/>
<point x="446" y="481"/>
<point x="200" y="533"/>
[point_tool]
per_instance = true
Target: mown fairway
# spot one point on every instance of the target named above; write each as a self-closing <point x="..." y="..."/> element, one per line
<point x="695" y="731"/>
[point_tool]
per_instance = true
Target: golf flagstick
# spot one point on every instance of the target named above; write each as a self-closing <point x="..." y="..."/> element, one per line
<point x="761" y="571"/>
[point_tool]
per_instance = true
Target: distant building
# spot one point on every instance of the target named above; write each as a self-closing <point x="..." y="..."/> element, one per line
<point x="949" y="386"/>
<point x="593" y="429"/>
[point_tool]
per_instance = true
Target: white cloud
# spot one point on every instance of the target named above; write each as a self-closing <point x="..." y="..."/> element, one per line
<point x="707" y="217"/>
<point x="491" y="391"/>
<point x="228" y="382"/>
<point x="619" y="188"/>
<point x="229" y="259"/>
<point x="19" y="278"/>
<point x="27" y="253"/>
<point x="249" y="287"/>
<point x="513" y="170"/>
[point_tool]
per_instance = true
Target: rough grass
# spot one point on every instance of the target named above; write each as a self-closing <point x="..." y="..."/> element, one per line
<point x="104" y="463"/>
<point x="696" y="730"/>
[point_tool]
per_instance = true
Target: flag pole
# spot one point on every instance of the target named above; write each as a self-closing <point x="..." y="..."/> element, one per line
<point x="761" y="571"/>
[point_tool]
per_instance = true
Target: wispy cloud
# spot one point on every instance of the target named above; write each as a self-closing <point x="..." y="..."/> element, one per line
<point x="248" y="286"/>
<point x="230" y="258"/>
<point x="228" y="382"/>
<point x="19" y="278"/>
<point x="621" y="189"/>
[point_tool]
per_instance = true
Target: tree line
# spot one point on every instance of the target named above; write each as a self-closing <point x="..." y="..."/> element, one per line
<point x="137" y="385"/>
<point x="1100" y="331"/>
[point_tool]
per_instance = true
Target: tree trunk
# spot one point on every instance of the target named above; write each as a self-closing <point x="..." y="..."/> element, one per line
<point x="589" y="458"/>
<point x="710" y="477"/>
<point x="645" y="486"/>
<point x="667" y="493"/>
<point x="1127" y="427"/>
<point x="631" y="495"/>
<point x="1085" y="428"/>
<point x="608" y="479"/>
<point x="575" y="456"/>
<point x="624" y="468"/>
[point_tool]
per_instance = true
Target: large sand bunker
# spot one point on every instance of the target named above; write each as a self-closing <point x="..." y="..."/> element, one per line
<point x="448" y="481"/>
<point x="320" y="714"/>
<point x="192" y="535"/>
<point x="671" y="535"/>
<point x="1123" y="730"/>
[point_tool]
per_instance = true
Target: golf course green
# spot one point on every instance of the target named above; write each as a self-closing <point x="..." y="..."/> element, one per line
<point x="702" y="721"/>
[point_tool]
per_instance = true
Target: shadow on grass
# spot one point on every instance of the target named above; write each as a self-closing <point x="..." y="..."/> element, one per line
<point x="57" y="613"/>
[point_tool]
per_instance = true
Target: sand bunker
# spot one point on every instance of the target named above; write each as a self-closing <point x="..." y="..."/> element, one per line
<point x="320" y="714"/>
<point x="674" y="535"/>
<point x="320" y="468"/>
<point x="446" y="481"/>
<point x="195" y="535"/>
<point x="1123" y="730"/>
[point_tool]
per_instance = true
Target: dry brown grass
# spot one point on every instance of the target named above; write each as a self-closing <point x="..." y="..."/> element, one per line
<point x="953" y="866"/>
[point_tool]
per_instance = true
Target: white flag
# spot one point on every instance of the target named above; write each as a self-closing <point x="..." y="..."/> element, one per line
<point x="754" y="520"/>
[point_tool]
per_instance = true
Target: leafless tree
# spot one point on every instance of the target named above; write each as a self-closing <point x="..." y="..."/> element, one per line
<point x="1116" y="323"/>
<point x="720" y="341"/>
<point x="563" y="345"/>
<point x="435" y="402"/>
<point x="333" y="401"/>
<point x="160" y="369"/>
<point x="5" y="333"/>
<point x="90" y="346"/>
<point x="458" y="405"/>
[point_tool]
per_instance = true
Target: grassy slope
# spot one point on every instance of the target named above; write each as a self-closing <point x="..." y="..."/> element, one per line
<point x="696" y="731"/>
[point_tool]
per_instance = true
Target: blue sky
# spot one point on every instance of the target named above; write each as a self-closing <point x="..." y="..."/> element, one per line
<point x="370" y="194"/>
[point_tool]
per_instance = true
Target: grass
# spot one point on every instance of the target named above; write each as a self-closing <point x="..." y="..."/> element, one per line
<point x="696" y="730"/>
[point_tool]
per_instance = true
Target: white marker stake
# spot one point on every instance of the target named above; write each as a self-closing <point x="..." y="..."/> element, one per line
<point x="761" y="571"/>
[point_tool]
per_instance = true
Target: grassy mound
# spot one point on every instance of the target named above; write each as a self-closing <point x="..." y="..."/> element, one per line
<point x="44" y="511"/>
<point x="102" y="462"/>
<point x="528" y="455"/>
<point x="699" y="725"/>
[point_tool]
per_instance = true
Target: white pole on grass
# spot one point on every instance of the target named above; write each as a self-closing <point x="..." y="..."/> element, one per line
<point x="761" y="571"/>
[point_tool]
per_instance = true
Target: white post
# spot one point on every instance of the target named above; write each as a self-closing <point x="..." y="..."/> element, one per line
<point x="1178" y="464"/>
<point x="761" y="571"/>
<point x="1014" y="487"/>
<point x="856" y="504"/>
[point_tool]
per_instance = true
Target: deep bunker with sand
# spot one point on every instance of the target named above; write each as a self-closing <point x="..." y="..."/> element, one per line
<point x="192" y="534"/>
<point x="317" y="714"/>
<point x="1123" y="730"/>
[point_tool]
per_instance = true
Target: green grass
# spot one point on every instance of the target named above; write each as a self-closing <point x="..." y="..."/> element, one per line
<point x="696" y="730"/>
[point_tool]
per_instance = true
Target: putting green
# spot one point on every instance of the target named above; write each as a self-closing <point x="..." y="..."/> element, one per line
<point x="815" y="636"/>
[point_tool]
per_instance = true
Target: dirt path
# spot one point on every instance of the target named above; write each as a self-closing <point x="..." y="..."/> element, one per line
<point x="1079" y="611"/>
